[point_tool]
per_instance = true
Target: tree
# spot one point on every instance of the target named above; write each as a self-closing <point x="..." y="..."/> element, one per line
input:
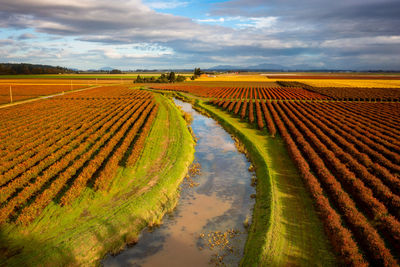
<point x="163" y="79"/>
<point x="171" y="77"/>
<point x="180" y="78"/>
<point x="115" y="71"/>
<point x="197" y="72"/>
<point x="139" y="79"/>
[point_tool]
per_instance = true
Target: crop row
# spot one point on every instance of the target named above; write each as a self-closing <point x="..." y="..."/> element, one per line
<point x="84" y="147"/>
<point x="277" y="93"/>
<point x="81" y="169"/>
<point x="42" y="145"/>
<point x="22" y="91"/>
<point x="257" y="92"/>
<point x="349" y="93"/>
<point x="350" y="166"/>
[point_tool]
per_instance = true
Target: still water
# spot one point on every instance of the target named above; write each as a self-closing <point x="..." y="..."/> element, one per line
<point x="207" y="226"/>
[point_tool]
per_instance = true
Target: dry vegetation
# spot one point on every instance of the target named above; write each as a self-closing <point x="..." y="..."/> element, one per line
<point x="348" y="154"/>
<point x="52" y="149"/>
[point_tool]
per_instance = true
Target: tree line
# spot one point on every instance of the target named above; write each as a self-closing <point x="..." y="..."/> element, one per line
<point x="25" y="68"/>
<point x="164" y="78"/>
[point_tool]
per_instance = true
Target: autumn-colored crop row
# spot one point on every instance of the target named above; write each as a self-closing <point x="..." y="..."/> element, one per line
<point x="349" y="90"/>
<point x="349" y="157"/>
<point x="256" y="92"/>
<point x="80" y="141"/>
<point x="24" y="91"/>
<point x="278" y="93"/>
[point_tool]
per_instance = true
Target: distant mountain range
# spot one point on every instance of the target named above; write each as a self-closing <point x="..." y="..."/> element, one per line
<point x="265" y="66"/>
<point x="106" y="69"/>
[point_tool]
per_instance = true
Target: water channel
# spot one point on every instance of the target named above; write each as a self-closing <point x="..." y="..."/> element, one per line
<point x="207" y="228"/>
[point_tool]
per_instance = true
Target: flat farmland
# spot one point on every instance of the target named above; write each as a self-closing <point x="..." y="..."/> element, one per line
<point x="28" y="91"/>
<point x="48" y="152"/>
<point x="326" y="161"/>
<point x="349" y="162"/>
<point x="345" y="145"/>
<point x="23" y="89"/>
<point x="80" y="157"/>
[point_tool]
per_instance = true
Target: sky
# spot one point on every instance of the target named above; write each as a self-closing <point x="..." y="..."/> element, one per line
<point x="151" y="34"/>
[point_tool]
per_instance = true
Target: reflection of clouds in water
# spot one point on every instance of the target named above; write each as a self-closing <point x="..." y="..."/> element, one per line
<point x="224" y="185"/>
<point x="216" y="139"/>
<point x="209" y="122"/>
<point x="185" y="106"/>
<point x="209" y="157"/>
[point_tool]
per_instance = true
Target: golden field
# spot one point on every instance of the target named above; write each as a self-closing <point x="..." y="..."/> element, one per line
<point x="350" y="83"/>
<point x="234" y="78"/>
<point x="333" y="82"/>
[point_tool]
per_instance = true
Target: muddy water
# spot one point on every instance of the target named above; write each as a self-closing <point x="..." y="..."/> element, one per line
<point x="214" y="210"/>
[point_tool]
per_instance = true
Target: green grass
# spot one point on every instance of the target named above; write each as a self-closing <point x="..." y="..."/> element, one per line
<point x="98" y="223"/>
<point x="286" y="229"/>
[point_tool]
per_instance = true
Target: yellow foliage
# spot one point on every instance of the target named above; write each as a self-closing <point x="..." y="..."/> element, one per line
<point x="348" y="83"/>
<point x="370" y="83"/>
<point x="233" y="78"/>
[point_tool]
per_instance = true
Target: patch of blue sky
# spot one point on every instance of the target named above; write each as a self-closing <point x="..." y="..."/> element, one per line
<point x="199" y="11"/>
<point x="185" y="8"/>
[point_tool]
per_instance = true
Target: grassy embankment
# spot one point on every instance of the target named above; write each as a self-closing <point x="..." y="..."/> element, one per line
<point x="286" y="229"/>
<point x="98" y="223"/>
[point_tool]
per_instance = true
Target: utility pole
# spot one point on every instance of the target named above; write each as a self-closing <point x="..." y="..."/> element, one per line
<point x="11" y="94"/>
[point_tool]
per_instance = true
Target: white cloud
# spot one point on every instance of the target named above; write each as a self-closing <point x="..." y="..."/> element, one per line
<point x="258" y="23"/>
<point x="211" y="20"/>
<point x="358" y="42"/>
<point x="166" y="4"/>
<point x="93" y="31"/>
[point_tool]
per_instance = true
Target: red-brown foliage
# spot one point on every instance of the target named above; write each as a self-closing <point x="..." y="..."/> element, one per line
<point x="78" y="137"/>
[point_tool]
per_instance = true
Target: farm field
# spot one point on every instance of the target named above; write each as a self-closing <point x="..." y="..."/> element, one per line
<point x="256" y="92"/>
<point x="82" y="162"/>
<point x="359" y="94"/>
<point x="23" y="91"/>
<point x="346" y="152"/>
<point x="349" y="93"/>
<point x="200" y="133"/>
<point x="62" y="147"/>
<point x="327" y="162"/>
<point x="286" y="228"/>
<point x="366" y="81"/>
<point x="91" y="76"/>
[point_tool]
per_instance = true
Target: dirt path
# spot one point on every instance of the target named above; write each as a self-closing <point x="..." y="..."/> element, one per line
<point x="45" y="97"/>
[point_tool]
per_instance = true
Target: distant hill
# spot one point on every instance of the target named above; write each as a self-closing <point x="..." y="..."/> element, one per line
<point x="106" y="69"/>
<point x="25" y="68"/>
<point x="264" y="67"/>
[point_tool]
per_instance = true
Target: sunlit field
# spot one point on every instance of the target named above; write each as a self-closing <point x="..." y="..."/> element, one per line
<point x="350" y="83"/>
<point x="233" y="78"/>
<point x="332" y="82"/>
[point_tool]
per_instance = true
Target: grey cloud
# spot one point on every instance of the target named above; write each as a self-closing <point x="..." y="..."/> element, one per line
<point x="341" y="17"/>
<point x="130" y="18"/>
<point x="310" y="31"/>
<point x="26" y="36"/>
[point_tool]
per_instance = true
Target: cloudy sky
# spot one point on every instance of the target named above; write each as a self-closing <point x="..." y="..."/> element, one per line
<point x="132" y="34"/>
